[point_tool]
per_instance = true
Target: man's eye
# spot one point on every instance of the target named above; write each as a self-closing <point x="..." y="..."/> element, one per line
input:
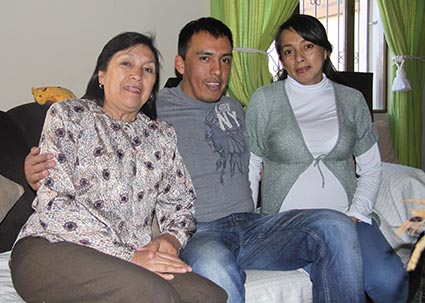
<point x="227" y="60"/>
<point x="204" y="58"/>
<point x="125" y="63"/>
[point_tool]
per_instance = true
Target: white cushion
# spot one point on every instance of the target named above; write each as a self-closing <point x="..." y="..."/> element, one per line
<point x="385" y="141"/>
<point x="292" y="286"/>
<point x="7" y="291"/>
<point x="399" y="182"/>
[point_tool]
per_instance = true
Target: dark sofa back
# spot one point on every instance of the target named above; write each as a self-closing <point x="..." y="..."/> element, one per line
<point x="20" y="129"/>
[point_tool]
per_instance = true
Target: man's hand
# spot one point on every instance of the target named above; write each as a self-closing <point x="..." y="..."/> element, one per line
<point x="167" y="243"/>
<point x="161" y="263"/>
<point x="36" y="167"/>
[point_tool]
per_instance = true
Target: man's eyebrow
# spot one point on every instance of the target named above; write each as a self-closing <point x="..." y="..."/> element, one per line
<point x="203" y="52"/>
<point x="208" y="53"/>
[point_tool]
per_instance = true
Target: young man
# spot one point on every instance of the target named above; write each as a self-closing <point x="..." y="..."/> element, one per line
<point x="230" y="237"/>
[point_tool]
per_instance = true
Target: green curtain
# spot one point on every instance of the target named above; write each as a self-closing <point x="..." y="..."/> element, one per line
<point x="254" y="24"/>
<point x="405" y="35"/>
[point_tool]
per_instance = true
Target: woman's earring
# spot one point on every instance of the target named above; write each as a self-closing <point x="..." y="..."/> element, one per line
<point x="100" y="85"/>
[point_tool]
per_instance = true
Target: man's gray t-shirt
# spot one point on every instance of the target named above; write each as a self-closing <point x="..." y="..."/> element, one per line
<point x="211" y="138"/>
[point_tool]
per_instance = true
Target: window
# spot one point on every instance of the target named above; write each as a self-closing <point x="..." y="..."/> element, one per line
<point x="354" y="28"/>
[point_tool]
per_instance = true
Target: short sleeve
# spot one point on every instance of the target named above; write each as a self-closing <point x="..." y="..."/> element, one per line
<point x="255" y="124"/>
<point x="366" y="135"/>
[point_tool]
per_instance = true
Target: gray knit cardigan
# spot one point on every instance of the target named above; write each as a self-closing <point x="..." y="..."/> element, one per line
<point x="275" y="135"/>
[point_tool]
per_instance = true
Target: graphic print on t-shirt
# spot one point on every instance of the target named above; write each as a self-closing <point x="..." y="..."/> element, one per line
<point x="225" y="136"/>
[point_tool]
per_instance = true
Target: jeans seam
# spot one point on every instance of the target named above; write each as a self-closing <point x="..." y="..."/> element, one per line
<point x="322" y="253"/>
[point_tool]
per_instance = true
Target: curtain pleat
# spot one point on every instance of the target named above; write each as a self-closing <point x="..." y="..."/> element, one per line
<point x="404" y="31"/>
<point x="253" y="24"/>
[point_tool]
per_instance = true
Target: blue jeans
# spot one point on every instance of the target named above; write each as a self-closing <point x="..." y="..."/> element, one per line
<point x="223" y="249"/>
<point x="386" y="280"/>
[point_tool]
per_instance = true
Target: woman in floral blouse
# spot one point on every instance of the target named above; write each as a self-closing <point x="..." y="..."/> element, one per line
<point x="90" y="237"/>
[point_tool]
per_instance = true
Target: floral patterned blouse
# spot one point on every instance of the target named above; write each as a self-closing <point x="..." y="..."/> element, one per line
<point x="110" y="178"/>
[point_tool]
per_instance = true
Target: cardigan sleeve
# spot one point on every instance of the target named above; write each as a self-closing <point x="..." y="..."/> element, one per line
<point x="366" y="135"/>
<point x="255" y="123"/>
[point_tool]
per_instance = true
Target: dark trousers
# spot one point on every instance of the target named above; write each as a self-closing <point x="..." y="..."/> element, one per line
<point x="67" y="272"/>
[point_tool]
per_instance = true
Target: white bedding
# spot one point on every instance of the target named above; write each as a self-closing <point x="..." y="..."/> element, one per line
<point x="399" y="183"/>
<point x="7" y="292"/>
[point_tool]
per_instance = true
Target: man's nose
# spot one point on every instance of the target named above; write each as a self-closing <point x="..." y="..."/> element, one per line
<point x="216" y="68"/>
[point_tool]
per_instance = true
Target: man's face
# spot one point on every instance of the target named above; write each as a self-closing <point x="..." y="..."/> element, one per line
<point x="206" y="68"/>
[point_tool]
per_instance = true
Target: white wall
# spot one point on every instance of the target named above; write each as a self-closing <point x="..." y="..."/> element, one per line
<point x="56" y="42"/>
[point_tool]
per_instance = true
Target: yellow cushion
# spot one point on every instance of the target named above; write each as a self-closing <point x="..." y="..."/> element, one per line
<point x="51" y="94"/>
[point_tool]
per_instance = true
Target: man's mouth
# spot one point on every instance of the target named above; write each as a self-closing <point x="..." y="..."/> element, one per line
<point x="213" y="85"/>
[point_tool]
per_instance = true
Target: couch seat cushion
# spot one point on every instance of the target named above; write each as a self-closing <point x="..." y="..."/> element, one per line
<point x="292" y="286"/>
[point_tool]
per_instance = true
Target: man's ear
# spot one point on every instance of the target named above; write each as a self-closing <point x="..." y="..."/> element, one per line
<point x="179" y="64"/>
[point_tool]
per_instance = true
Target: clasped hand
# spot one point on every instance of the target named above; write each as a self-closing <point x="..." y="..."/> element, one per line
<point x="161" y="257"/>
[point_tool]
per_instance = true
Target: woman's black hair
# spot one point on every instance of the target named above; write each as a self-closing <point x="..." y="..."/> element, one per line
<point x="118" y="43"/>
<point x="311" y="29"/>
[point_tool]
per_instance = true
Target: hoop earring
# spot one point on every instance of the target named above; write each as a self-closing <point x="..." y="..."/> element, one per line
<point x="101" y="86"/>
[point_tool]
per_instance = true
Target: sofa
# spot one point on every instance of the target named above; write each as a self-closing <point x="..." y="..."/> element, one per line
<point x="20" y="129"/>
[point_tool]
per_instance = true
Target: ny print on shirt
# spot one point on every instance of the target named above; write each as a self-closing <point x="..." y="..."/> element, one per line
<point x="225" y="136"/>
